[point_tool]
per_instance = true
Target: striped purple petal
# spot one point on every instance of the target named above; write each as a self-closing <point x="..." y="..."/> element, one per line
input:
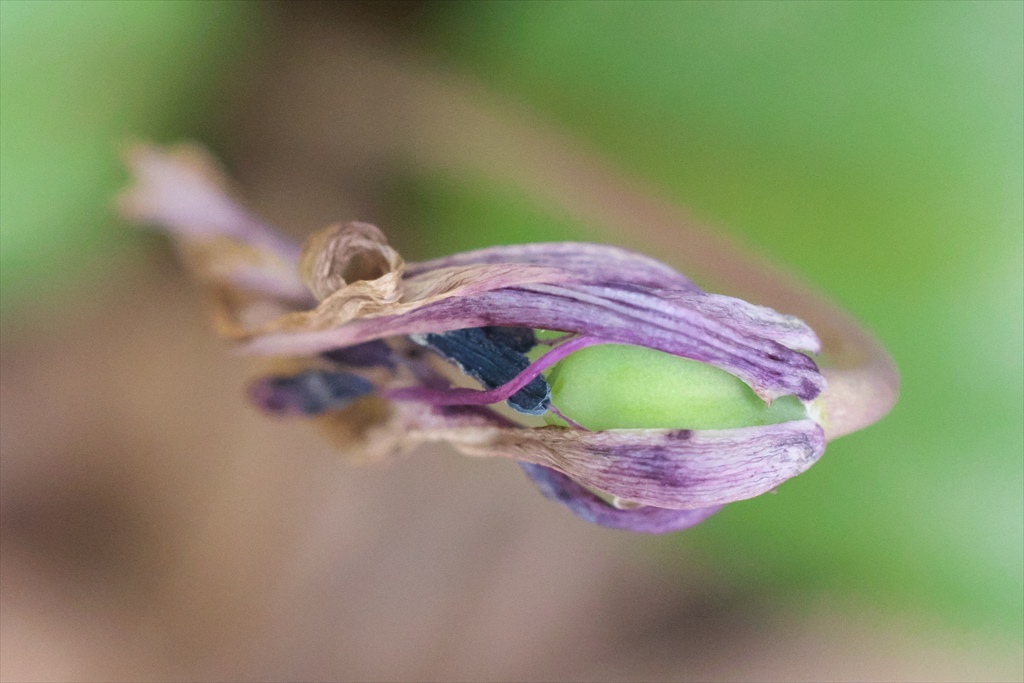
<point x="677" y="469"/>
<point x="770" y="368"/>
<point x="589" y="263"/>
<point x="589" y="507"/>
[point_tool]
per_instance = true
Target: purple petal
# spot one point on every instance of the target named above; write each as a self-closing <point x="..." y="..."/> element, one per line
<point x="769" y="368"/>
<point x="590" y="263"/>
<point x="757" y="321"/>
<point x="678" y="469"/>
<point x="752" y="342"/>
<point x="589" y="507"/>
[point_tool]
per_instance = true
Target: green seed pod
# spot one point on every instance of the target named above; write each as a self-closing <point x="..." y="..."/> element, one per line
<point x="631" y="387"/>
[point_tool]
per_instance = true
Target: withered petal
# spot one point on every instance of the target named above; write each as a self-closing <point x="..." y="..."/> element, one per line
<point x="352" y="254"/>
<point x="589" y="263"/>
<point x="676" y="469"/>
<point x="768" y="367"/>
<point x="589" y="507"/>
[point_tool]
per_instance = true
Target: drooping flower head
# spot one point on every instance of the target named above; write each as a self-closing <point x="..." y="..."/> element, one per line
<point x="376" y="347"/>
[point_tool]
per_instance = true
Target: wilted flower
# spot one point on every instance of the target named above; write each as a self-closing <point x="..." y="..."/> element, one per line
<point x="360" y="331"/>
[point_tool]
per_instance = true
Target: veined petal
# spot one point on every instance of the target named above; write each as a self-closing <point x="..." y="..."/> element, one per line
<point x="757" y="321"/>
<point x="589" y="507"/>
<point x="589" y="263"/>
<point x="769" y="368"/>
<point x="677" y="469"/>
<point x="357" y="276"/>
<point x="724" y="332"/>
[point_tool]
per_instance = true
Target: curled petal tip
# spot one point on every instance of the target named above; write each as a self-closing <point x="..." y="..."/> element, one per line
<point x="351" y="252"/>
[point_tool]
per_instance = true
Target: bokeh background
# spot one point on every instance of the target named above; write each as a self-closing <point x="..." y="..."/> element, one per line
<point x="154" y="527"/>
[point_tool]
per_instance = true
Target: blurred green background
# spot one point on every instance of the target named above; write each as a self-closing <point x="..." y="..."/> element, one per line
<point x="876" y="149"/>
<point x="77" y="81"/>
